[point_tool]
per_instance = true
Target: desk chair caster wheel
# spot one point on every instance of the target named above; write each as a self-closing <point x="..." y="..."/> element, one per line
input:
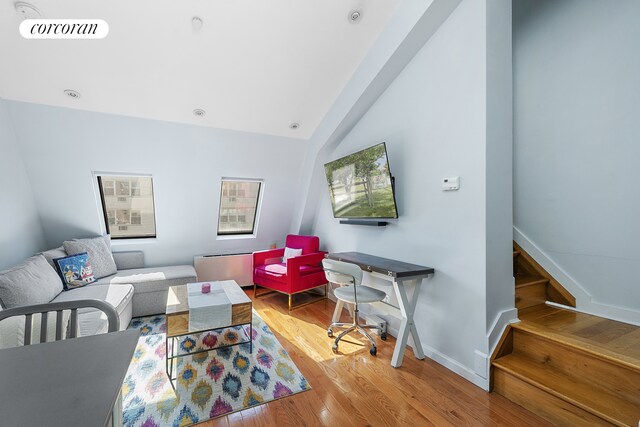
<point x="329" y="333"/>
<point x="373" y="351"/>
<point x="383" y="336"/>
<point x="334" y="348"/>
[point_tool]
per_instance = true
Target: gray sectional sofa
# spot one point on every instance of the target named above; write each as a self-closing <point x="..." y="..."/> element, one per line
<point x="133" y="290"/>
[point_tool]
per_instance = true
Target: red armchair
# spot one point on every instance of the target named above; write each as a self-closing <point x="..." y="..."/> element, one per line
<point x="299" y="274"/>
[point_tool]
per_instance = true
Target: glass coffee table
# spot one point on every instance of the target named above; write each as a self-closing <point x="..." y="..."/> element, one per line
<point x="177" y="313"/>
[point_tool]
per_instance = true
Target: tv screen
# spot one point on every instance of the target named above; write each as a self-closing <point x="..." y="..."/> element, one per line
<point x="361" y="185"/>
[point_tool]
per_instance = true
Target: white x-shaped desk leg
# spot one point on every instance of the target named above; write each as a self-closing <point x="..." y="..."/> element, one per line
<point x="338" y="311"/>
<point x="407" y="308"/>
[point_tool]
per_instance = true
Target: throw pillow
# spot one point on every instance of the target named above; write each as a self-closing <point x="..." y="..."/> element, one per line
<point x="32" y="282"/>
<point x="52" y="254"/>
<point x="75" y="270"/>
<point x="290" y="253"/>
<point x="99" y="251"/>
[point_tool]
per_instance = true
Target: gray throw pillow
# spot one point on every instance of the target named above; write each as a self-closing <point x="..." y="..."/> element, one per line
<point x="52" y="254"/>
<point x="99" y="251"/>
<point x="32" y="282"/>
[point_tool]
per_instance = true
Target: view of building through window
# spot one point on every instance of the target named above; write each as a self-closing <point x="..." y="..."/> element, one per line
<point x="127" y="203"/>
<point x="238" y="207"/>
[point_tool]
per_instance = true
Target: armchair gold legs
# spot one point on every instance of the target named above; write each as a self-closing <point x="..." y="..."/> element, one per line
<point x="291" y="306"/>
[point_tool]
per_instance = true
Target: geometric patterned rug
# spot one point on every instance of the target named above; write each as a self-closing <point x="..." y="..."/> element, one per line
<point x="208" y="384"/>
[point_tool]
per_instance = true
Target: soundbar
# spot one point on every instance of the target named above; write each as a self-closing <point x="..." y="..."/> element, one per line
<point x="374" y="223"/>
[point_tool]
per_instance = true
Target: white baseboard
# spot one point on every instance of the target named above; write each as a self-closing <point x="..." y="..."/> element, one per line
<point x="584" y="300"/>
<point x="456" y="367"/>
<point x="499" y="324"/>
<point x="434" y="354"/>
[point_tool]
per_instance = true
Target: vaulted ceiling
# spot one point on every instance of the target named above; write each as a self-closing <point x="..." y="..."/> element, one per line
<point x="254" y="65"/>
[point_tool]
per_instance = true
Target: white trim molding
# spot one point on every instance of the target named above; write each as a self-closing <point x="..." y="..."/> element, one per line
<point x="505" y="318"/>
<point x="584" y="300"/>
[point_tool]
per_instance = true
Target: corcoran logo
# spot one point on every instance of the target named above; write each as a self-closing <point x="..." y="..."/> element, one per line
<point x="64" y="29"/>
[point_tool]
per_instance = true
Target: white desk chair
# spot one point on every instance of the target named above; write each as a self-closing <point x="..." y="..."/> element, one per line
<point x="349" y="276"/>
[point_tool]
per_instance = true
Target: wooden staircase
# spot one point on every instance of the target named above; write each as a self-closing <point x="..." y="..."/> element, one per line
<point x="571" y="368"/>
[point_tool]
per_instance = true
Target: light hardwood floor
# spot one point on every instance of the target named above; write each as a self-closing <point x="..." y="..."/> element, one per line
<point x="354" y="388"/>
<point x="609" y="337"/>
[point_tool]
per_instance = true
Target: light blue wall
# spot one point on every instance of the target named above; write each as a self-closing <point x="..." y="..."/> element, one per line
<point x="577" y="140"/>
<point x="62" y="147"/>
<point x="20" y="230"/>
<point x="434" y="118"/>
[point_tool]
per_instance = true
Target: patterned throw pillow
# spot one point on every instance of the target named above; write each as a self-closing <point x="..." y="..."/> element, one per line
<point x="74" y="270"/>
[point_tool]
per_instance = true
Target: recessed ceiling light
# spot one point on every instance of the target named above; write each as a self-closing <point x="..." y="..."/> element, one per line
<point x="196" y="23"/>
<point x="294" y="126"/>
<point x="198" y="112"/>
<point x="72" y="93"/>
<point x="354" y="16"/>
<point x="27" y="11"/>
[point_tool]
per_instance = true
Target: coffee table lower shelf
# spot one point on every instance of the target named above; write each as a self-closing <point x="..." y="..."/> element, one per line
<point x="171" y="356"/>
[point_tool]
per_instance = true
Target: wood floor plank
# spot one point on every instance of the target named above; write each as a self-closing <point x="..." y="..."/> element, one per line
<point x="353" y="388"/>
<point x="611" y="337"/>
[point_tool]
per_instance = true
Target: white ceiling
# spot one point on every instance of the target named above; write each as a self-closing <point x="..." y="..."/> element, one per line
<point x="255" y="66"/>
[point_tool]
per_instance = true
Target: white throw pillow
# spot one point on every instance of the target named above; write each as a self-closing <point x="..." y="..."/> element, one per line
<point x="290" y="253"/>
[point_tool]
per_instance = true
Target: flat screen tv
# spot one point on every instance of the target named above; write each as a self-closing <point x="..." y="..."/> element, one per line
<point x="361" y="185"/>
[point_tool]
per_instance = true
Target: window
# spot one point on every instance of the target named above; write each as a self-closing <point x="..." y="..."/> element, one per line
<point x="111" y="216"/>
<point x="122" y="188"/>
<point x="109" y="188"/>
<point x="136" y="219"/>
<point x="127" y="206"/>
<point x="238" y="207"/>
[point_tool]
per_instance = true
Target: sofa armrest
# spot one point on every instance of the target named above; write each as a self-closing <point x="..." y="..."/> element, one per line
<point x="261" y="257"/>
<point x="293" y="264"/>
<point x="128" y="260"/>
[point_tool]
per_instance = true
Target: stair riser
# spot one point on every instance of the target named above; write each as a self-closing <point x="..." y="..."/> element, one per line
<point x="529" y="296"/>
<point x="522" y="267"/>
<point x="542" y="403"/>
<point x="603" y="374"/>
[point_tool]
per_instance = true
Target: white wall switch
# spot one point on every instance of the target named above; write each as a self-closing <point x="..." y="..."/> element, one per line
<point x="451" y="183"/>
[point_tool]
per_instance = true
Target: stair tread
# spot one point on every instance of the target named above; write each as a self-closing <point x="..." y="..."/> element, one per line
<point x="600" y="402"/>
<point x="516" y="253"/>
<point x="529" y="280"/>
<point x="600" y="350"/>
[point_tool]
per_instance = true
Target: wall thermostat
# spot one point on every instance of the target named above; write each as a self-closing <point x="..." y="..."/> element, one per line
<point x="451" y="183"/>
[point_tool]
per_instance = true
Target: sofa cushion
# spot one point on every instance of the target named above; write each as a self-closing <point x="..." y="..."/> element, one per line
<point x="153" y="279"/>
<point x="32" y="282"/>
<point x="52" y="254"/>
<point x="99" y="250"/>
<point x="92" y="321"/>
<point x="128" y="259"/>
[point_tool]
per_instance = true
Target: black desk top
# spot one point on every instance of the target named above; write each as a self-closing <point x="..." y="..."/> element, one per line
<point x="388" y="267"/>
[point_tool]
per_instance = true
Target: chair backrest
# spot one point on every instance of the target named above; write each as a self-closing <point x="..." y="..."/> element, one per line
<point x="308" y="244"/>
<point x="342" y="273"/>
<point x="59" y="307"/>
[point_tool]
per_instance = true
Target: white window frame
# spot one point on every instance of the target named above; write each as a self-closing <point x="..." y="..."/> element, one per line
<point x="256" y="222"/>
